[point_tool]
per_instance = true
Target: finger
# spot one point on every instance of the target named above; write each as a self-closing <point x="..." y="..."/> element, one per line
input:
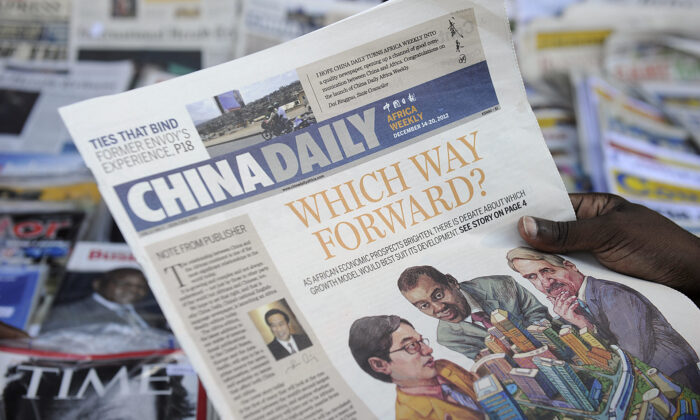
<point x="589" y="205"/>
<point x="558" y="306"/>
<point x="571" y="303"/>
<point x="563" y="237"/>
<point x="562" y="295"/>
<point x="563" y="301"/>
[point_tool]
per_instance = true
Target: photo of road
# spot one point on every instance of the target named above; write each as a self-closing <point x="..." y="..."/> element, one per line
<point x="239" y="138"/>
<point x="249" y="115"/>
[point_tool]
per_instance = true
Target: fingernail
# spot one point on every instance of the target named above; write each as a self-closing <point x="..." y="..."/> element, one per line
<point x="530" y="226"/>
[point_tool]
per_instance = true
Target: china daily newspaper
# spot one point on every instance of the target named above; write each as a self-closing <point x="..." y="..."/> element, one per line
<point x="330" y="229"/>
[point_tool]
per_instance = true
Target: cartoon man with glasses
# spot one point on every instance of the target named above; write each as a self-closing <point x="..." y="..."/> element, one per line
<point x="388" y="348"/>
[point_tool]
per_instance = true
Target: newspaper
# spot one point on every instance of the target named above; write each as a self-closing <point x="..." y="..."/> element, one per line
<point x="176" y="36"/>
<point x="270" y="258"/>
<point x="34" y="29"/>
<point x="631" y="149"/>
<point x="266" y="23"/>
<point x="643" y="57"/>
<point x="559" y="131"/>
<point x="680" y="101"/>
<point x="31" y="93"/>
<point x="575" y="41"/>
<point x="601" y="107"/>
<point x="525" y="10"/>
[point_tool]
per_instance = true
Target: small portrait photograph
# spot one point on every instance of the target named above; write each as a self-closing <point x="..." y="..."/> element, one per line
<point x="252" y="114"/>
<point x="123" y="8"/>
<point x="280" y="329"/>
<point x="15" y="107"/>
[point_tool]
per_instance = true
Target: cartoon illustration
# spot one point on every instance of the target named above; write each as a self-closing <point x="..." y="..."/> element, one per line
<point x="285" y="343"/>
<point x="463" y="308"/>
<point x="388" y="348"/>
<point x="613" y="311"/>
<point x="585" y="364"/>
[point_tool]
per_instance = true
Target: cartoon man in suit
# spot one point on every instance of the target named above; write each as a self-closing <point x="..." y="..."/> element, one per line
<point x="285" y="343"/>
<point x="616" y="312"/>
<point x="464" y="309"/>
<point x="388" y="348"/>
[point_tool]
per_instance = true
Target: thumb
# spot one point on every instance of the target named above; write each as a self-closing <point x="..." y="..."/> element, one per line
<point x="561" y="237"/>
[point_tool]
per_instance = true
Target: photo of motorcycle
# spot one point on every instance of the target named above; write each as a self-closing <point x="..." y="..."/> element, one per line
<point x="277" y="128"/>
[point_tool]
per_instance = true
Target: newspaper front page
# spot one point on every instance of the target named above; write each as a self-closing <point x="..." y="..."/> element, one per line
<point x="34" y="30"/>
<point x="275" y="201"/>
<point x="31" y="93"/>
<point x="175" y="36"/>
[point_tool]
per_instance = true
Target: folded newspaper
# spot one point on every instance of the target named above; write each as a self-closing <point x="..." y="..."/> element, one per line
<point x="329" y="227"/>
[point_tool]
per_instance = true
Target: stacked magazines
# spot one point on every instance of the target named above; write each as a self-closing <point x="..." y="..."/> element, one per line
<point x="329" y="227"/>
<point x="104" y="350"/>
<point x="634" y="68"/>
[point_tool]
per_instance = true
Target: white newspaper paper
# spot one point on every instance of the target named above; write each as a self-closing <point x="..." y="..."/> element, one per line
<point x="422" y="150"/>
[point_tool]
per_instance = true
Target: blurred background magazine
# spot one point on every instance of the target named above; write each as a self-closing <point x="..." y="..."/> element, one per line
<point x="20" y="289"/>
<point x="30" y="93"/>
<point x="103" y="305"/>
<point x="149" y="385"/>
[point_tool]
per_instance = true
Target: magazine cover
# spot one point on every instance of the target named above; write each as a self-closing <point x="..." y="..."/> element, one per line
<point x="104" y="305"/>
<point x="366" y="263"/>
<point x="151" y="385"/>
<point x="20" y="288"/>
<point x="39" y="231"/>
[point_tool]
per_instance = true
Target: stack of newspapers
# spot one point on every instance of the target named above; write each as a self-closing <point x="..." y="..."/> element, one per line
<point x="629" y="73"/>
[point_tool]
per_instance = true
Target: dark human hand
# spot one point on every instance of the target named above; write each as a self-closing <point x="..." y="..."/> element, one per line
<point x="624" y="237"/>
